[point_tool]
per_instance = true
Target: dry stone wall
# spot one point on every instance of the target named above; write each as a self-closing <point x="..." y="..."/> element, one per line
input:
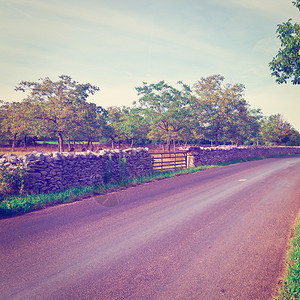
<point x="49" y="172"/>
<point x="212" y="155"/>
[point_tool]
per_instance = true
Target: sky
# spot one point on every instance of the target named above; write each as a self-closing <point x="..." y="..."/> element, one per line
<point x="117" y="45"/>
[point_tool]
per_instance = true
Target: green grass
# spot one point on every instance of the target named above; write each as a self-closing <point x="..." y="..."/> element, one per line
<point x="56" y="142"/>
<point x="16" y="205"/>
<point x="290" y="288"/>
<point x="47" y="142"/>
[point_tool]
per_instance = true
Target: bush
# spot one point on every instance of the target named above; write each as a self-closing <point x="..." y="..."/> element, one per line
<point x="12" y="182"/>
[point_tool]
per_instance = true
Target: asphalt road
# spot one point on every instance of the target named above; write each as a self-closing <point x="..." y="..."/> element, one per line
<point x="217" y="234"/>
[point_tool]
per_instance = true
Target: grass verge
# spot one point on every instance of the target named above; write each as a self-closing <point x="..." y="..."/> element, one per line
<point x="290" y="288"/>
<point x="16" y="205"/>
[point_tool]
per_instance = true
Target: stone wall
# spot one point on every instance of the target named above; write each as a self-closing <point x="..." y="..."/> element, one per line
<point x="50" y="172"/>
<point x="212" y="155"/>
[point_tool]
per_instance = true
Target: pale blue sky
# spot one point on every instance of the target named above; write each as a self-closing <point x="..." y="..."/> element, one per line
<point x="117" y="45"/>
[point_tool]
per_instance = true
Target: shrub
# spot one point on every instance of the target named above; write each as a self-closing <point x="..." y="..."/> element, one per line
<point x="13" y="181"/>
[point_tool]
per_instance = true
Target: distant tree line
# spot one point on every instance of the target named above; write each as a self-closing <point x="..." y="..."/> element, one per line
<point x="210" y="112"/>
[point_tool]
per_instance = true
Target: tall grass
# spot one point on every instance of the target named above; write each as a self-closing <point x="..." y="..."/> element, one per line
<point x="290" y="288"/>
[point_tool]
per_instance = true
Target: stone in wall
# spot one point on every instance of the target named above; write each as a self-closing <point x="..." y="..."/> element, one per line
<point x="50" y="172"/>
<point x="137" y="162"/>
<point x="213" y="155"/>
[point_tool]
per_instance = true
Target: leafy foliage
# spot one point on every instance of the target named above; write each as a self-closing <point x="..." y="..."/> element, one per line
<point x="17" y="122"/>
<point x="166" y="108"/>
<point x="286" y="64"/>
<point x="274" y="129"/>
<point x="293" y="138"/>
<point x="12" y="181"/>
<point x="213" y="111"/>
<point x="60" y="106"/>
<point x="297" y="3"/>
<point x="112" y="128"/>
<point x="221" y="110"/>
<point x="133" y="126"/>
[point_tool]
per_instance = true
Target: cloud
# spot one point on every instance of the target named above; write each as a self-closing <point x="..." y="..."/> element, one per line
<point x="106" y="20"/>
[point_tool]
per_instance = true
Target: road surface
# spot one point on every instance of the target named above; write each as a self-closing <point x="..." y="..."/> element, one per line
<point x="216" y="234"/>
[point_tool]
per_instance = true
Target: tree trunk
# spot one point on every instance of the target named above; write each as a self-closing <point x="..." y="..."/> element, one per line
<point x="69" y="144"/>
<point x="14" y="143"/>
<point x="25" y="142"/>
<point x="131" y="143"/>
<point x="216" y="141"/>
<point x="112" y="144"/>
<point x="92" y="146"/>
<point x="60" y="142"/>
<point x="34" y="142"/>
<point x="169" y="144"/>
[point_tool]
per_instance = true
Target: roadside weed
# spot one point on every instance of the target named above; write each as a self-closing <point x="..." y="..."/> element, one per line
<point x="290" y="288"/>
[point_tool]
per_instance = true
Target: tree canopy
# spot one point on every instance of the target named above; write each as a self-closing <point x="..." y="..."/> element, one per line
<point x="286" y="64"/>
<point x="210" y="112"/>
<point x="60" y="105"/>
<point x="297" y="3"/>
<point x="274" y="129"/>
<point x="167" y="109"/>
<point x="221" y="110"/>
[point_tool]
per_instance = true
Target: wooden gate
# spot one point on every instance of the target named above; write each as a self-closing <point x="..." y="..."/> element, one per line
<point x="165" y="161"/>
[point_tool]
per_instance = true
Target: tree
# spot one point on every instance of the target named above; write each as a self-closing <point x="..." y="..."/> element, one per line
<point x="292" y="139"/>
<point x="286" y="64"/>
<point x="133" y="125"/>
<point x="274" y="129"/>
<point x="112" y="128"/>
<point x="244" y="126"/>
<point x="59" y="105"/>
<point x="88" y="124"/>
<point x="3" y="113"/>
<point x="252" y="132"/>
<point x="167" y="109"/>
<point x="16" y="122"/>
<point x="297" y="3"/>
<point x="222" y="113"/>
